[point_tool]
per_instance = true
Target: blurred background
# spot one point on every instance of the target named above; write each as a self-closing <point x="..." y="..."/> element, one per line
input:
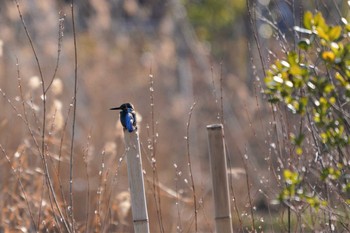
<point x="162" y="56"/>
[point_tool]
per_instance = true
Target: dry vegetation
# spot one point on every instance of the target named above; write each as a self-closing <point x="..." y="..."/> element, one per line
<point x="147" y="54"/>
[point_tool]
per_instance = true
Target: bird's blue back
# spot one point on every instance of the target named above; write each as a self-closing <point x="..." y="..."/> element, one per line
<point x="127" y="117"/>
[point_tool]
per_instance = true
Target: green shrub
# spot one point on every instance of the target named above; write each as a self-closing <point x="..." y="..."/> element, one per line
<point x="313" y="82"/>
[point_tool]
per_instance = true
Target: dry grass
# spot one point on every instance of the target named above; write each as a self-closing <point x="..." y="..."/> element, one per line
<point x="114" y="59"/>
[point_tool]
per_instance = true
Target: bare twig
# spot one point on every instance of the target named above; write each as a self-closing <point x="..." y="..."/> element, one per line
<point x="62" y="139"/>
<point x="232" y="190"/>
<point x="60" y="158"/>
<point x="179" y="221"/>
<point x="249" y="191"/>
<point x="190" y="167"/>
<point x="59" y="45"/>
<point x="71" y="162"/>
<point x="221" y="96"/>
<point x="42" y="151"/>
<point x="99" y="190"/>
<point x="86" y="162"/>
<point x="154" y="136"/>
<point x="48" y="180"/>
<point x="252" y="20"/>
<point x="214" y="90"/>
<point x="112" y="192"/>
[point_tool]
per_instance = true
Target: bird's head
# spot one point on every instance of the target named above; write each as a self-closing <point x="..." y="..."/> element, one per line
<point x="124" y="107"/>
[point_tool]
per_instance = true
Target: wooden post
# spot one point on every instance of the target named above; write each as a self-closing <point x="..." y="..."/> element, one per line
<point x="218" y="167"/>
<point x="136" y="183"/>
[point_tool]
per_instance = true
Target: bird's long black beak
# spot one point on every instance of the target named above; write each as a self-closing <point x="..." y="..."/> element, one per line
<point x="116" y="108"/>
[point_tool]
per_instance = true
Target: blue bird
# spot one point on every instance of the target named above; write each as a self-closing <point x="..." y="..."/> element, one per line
<point x="127" y="116"/>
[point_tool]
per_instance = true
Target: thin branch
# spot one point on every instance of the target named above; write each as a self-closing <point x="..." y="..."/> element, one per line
<point x="60" y="158"/>
<point x="86" y="163"/>
<point x="252" y="21"/>
<point x="101" y="173"/>
<point x="59" y="45"/>
<point x="41" y="77"/>
<point x="74" y="121"/>
<point x="221" y="96"/>
<point x="155" y="180"/>
<point x="214" y="90"/>
<point x="179" y="221"/>
<point x="248" y="189"/>
<point x="42" y="151"/>
<point x="190" y="167"/>
<point x="114" y="183"/>
<point x="43" y="90"/>
<point x="232" y="190"/>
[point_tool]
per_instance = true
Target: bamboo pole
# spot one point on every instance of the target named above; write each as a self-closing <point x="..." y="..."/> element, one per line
<point x="136" y="183"/>
<point x="218" y="167"/>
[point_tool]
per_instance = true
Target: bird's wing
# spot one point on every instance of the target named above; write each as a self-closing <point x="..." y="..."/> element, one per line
<point x="129" y="122"/>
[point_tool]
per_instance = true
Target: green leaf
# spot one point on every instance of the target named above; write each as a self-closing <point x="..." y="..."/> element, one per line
<point x="328" y="88"/>
<point x="324" y="137"/>
<point x="341" y="79"/>
<point x="320" y="22"/>
<point x="308" y="17"/>
<point x="322" y="33"/>
<point x="315" y="202"/>
<point x="296" y="70"/>
<point x="290" y="177"/>
<point x="293" y="58"/>
<point x="339" y="52"/>
<point x="334" y="33"/>
<point x="347" y="27"/>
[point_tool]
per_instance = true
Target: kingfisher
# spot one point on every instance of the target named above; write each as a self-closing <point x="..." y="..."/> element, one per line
<point x="127" y="116"/>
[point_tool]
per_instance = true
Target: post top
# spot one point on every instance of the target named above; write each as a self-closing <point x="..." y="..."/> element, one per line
<point x="215" y="126"/>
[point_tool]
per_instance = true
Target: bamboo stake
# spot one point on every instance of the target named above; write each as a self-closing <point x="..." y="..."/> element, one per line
<point x="136" y="183"/>
<point x="218" y="167"/>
